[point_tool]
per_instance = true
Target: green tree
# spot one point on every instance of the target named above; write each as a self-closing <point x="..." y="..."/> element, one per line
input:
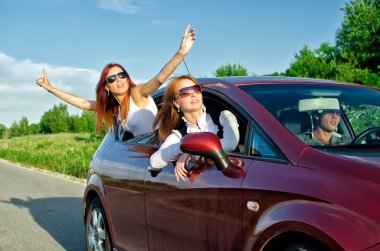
<point x="88" y="121"/>
<point x="33" y="128"/>
<point x="24" y="126"/>
<point x="347" y="72"/>
<point x="56" y="120"/>
<point x="75" y="125"/>
<point x="15" y="129"/>
<point x="231" y="70"/>
<point x="3" y="131"/>
<point x="276" y="74"/>
<point x="83" y="123"/>
<point x="359" y="37"/>
<point x="319" y="63"/>
<point x="356" y="55"/>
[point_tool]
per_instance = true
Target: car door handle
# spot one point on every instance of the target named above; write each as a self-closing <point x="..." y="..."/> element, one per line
<point x="253" y="206"/>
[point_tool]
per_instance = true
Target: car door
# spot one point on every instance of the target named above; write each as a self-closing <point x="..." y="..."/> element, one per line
<point x="201" y="213"/>
<point x="123" y="173"/>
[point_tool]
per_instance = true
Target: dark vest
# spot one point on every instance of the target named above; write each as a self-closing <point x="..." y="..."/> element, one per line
<point x="182" y="128"/>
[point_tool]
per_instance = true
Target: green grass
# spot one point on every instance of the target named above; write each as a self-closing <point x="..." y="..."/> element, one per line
<point x="68" y="154"/>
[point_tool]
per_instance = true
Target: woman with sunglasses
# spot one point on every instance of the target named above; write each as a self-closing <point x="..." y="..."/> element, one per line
<point x="118" y="97"/>
<point x="183" y="112"/>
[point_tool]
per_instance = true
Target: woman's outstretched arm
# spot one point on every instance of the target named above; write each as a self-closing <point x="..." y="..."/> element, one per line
<point x="152" y="85"/>
<point x="74" y="100"/>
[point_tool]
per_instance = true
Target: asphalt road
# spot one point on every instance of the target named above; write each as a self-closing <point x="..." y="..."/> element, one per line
<point x="39" y="211"/>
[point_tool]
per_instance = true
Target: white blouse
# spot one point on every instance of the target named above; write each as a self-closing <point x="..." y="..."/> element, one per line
<point x="139" y="120"/>
<point x="170" y="148"/>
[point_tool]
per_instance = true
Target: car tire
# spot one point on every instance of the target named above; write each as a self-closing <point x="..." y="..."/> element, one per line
<point x="306" y="247"/>
<point x="97" y="230"/>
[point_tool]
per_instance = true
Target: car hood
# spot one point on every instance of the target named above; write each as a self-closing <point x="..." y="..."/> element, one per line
<point x="363" y="153"/>
<point x="361" y="164"/>
<point x="370" y="155"/>
<point x="368" y="159"/>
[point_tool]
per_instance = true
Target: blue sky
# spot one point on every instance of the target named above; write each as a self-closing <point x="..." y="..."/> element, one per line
<point x="74" y="39"/>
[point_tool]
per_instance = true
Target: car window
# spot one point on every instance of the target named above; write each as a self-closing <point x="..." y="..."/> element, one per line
<point x="149" y="138"/>
<point x="144" y="139"/>
<point x="296" y="106"/>
<point x="261" y="146"/>
<point x="214" y="105"/>
<point x="362" y="116"/>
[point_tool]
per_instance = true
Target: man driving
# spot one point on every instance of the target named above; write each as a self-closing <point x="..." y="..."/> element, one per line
<point x="326" y="115"/>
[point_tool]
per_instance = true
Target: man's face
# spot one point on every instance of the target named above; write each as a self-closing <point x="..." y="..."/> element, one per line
<point x="329" y="120"/>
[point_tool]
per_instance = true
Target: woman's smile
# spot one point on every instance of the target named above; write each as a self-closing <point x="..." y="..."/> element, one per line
<point x="195" y="100"/>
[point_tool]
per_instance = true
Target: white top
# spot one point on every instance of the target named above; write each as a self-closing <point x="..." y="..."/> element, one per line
<point x="140" y="120"/>
<point x="170" y="148"/>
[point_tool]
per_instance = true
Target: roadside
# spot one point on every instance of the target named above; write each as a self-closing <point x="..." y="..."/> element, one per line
<point x="40" y="210"/>
<point x="46" y="172"/>
<point x="68" y="154"/>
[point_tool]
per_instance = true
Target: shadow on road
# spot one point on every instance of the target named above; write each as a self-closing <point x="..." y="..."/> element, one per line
<point x="61" y="217"/>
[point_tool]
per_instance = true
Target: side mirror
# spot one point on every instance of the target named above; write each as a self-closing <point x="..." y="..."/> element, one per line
<point x="208" y="145"/>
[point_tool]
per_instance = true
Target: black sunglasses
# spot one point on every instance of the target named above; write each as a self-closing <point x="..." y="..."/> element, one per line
<point x="186" y="92"/>
<point x="336" y="112"/>
<point x="120" y="75"/>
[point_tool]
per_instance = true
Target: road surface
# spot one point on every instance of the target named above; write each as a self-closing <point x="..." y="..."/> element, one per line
<point x="39" y="211"/>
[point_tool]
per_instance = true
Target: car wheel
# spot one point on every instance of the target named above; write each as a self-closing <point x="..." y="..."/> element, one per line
<point x="306" y="247"/>
<point x="97" y="234"/>
<point x="295" y="242"/>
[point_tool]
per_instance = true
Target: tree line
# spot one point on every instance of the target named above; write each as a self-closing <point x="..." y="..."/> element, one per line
<point x="355" y="58"/>
<point x="56" y="120"/>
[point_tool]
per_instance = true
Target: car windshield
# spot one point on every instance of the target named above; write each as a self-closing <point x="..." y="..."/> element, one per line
<point x="354" y="111"/>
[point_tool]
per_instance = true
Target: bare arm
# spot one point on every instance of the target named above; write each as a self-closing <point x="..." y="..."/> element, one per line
<point x="74" y="100"/>
<point x="152" y="85"/>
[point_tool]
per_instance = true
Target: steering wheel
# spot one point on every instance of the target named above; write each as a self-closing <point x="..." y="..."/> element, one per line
<point x="372" y="134"/>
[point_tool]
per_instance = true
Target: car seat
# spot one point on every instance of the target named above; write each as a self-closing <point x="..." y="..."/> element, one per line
<point x="295" y="121"/>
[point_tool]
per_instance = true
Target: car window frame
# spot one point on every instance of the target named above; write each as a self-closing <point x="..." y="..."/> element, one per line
<point x="251" y="123"/>
<point x="238" y="111"/>
<point x="220" y="98"/>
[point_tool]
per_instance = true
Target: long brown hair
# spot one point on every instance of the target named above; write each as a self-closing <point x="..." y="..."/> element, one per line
<point x="106" y="107"/>
<point x="168" y="117"/>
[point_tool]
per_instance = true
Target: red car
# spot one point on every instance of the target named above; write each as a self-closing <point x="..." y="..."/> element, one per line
<point x="274" y="192"/>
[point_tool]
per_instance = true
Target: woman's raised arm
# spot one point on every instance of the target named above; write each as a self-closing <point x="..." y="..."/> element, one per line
<point x="152" y="85"/>
<point x="74" y="100"/>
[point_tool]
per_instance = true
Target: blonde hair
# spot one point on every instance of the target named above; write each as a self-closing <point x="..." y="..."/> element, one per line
<point x="168" y="117"/>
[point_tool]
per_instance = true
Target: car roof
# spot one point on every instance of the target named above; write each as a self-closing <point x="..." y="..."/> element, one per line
<point x="248" y="80"/>
<point x="253" y="80"/>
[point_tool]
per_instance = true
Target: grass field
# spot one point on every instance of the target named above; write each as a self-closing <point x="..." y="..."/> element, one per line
<point x="68" y="154"/>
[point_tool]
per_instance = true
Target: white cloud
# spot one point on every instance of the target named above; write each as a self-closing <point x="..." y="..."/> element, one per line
<point x="122" y="6"/>
<point x="21" y="97"/>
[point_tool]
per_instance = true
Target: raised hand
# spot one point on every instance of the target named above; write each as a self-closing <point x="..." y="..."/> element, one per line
<point x="188" y="40"/>
<point x="43" y="80"/>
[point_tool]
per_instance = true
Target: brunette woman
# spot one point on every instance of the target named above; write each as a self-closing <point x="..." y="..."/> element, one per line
<point x="117" y="96"/>
<point x="183" y="112"/>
